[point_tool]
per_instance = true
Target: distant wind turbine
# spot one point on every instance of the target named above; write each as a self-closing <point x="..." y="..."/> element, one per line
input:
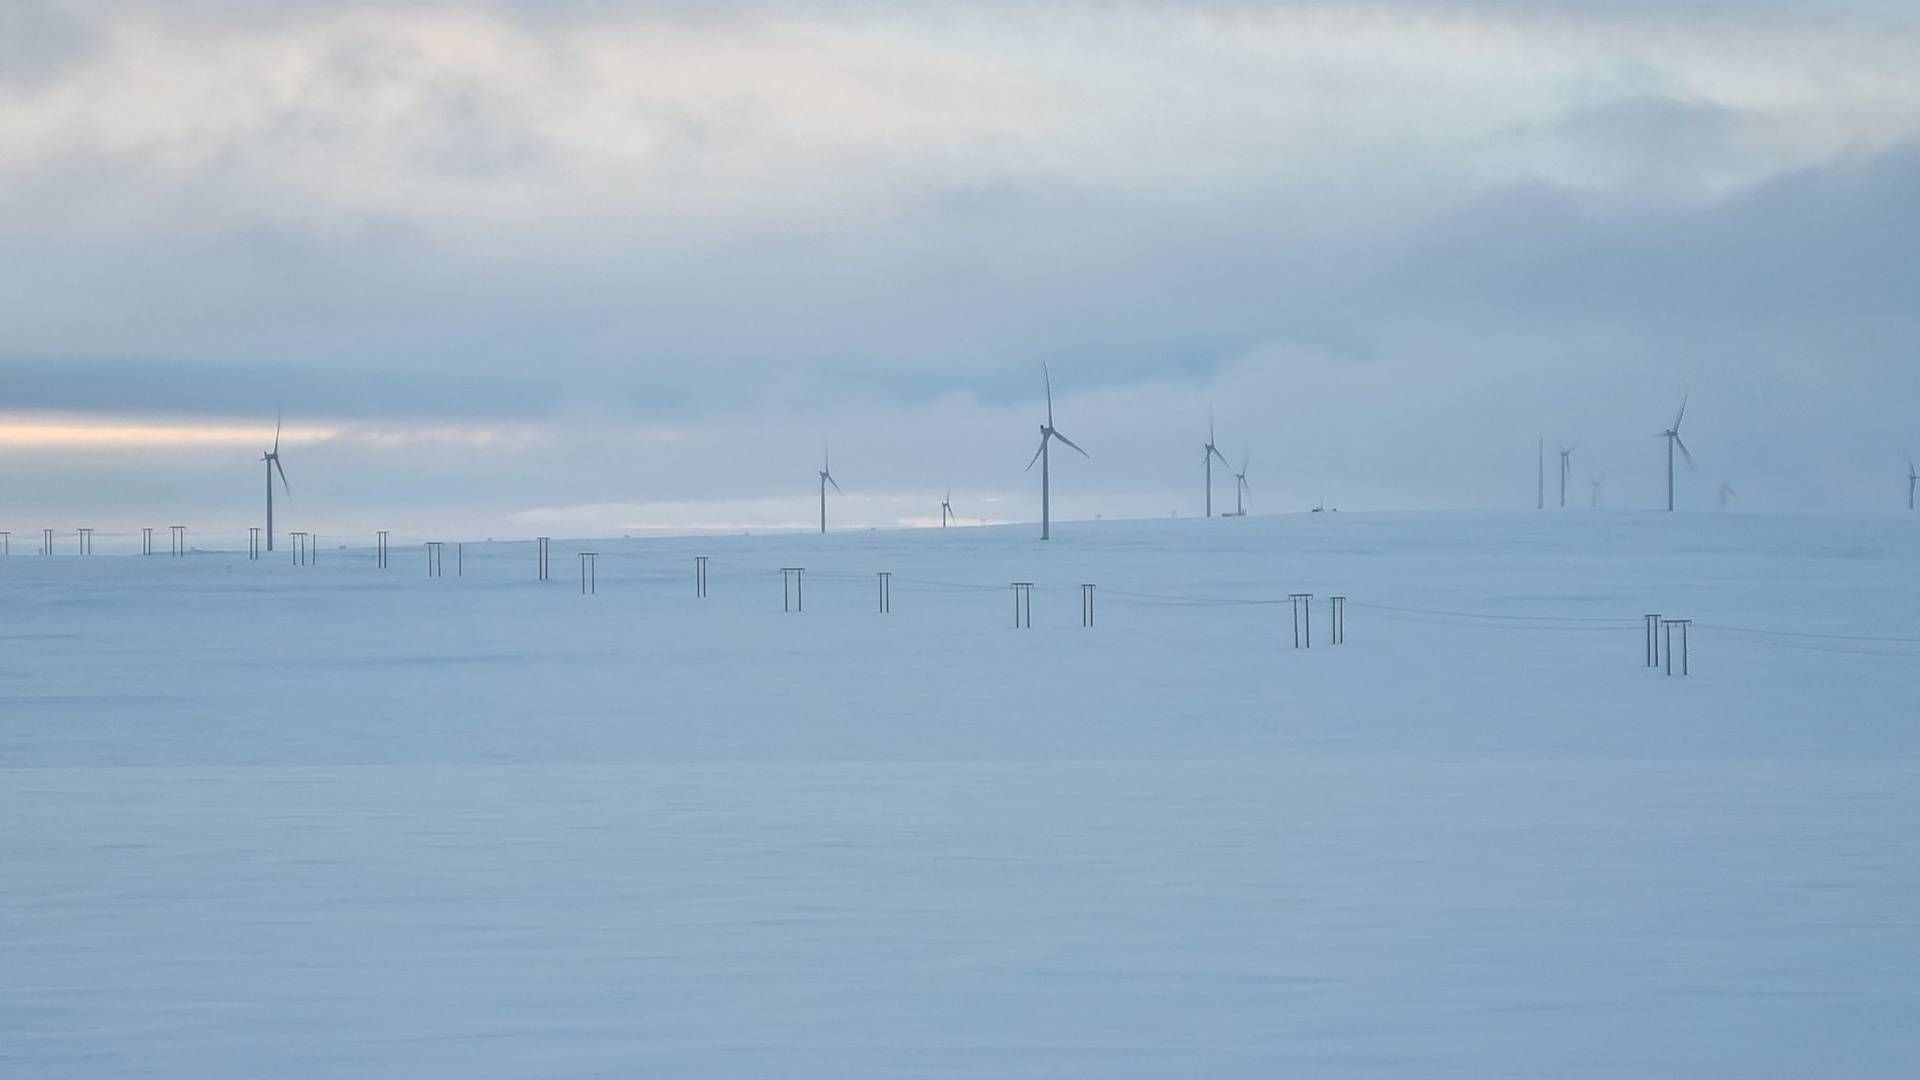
<point x="1047" y="434"/>
<point x="1240" y="488"/>
<point x="1540" y="488"/>
<point x="272" y="458"/>
<point x="1596" y="482"/>
<point x="946" y="509"/>
<point x="1207" y="454"/>
<point x="826" y="477"/>
<point x="1912" y="479"/>
<point x="1672" y="435"/>
<point x="1728" y="495"/>
<point x="1566" y="468"/>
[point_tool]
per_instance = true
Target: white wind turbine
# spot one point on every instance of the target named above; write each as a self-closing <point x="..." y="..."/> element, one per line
<point x="826" y="477"/>
<point x="272" y="458"/>
<point x="1047" y="434"/>
<point x="1566" y="469"/>
<point x="946" y="509"/>
<point x="1207" y="454"/>
<point x="1241" y="488"/>
<point x="1672" y="435"/>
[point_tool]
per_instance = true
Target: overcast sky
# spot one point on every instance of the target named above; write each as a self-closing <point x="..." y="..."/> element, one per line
<point x="599" y="268"/>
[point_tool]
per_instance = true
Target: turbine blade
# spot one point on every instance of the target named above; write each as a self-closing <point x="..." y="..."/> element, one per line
<point x="276" y="431"/>
<point x="1048" y="375"/>
<point x="1223" y="458"/>
<point x="1684" y="452"/>
<point x="835" y="483"/>
<point x="1681" y="413"/>
<point x="1070" y="442"/>
<point x="1037" y="453"/>
<point x="283" y="476"/>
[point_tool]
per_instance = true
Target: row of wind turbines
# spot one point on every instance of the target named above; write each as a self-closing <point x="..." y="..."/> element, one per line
<point x="1043" y="456"/>
<point x="1209" y="453"/>
<point x="1674" y="443"/>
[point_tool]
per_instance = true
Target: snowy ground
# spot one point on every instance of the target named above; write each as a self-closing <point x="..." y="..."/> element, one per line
<point x="259" y="820"/>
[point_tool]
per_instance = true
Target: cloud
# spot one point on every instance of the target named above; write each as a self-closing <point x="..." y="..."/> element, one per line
<point x="654" y="252"/>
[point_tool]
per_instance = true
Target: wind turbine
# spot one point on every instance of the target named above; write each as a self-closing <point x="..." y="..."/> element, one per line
<point x="1566" y="467"/>
<point x="1596" y="482"/>
<point x="1207" y="454"/>
<point x="946" y="509"/>
<point x="1672" y="435"/>
<point x="1047" y="435"/>
<point x="272" y="458"/>
<point x="826" y="477"/>
<point x="1728" y="495"/>
<point x="1912" y="479"/>
<point x="1240" y="487"/>
<point x="1540" y="488"/>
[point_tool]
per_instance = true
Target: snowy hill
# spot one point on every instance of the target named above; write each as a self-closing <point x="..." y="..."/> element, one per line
<point x="332" y="820"/>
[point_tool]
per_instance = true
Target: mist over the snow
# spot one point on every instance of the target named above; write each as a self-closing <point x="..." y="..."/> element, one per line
<point x="522" y="267"/>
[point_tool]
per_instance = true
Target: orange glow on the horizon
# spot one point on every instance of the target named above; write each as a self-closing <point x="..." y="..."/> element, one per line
<point x="80" y="433"/>
<point x="43" y="432"/>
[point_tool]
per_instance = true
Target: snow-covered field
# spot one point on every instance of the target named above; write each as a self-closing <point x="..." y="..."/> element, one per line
<point x="264" y="820"/>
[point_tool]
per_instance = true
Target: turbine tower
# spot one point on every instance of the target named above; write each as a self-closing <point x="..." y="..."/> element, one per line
<point x="1540" y="487"/>
<point x="272" y="459"/>
<point x="1672" y="435"/>
<point x="1047" y="435"/>
<point x="946" y="509"/>
<point x="1240" y="488"/>
<point x="826" y="477"/>
<point x="1207" y="454"/>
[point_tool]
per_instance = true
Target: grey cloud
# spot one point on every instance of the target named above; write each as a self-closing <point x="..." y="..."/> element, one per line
<point x="1376" y="343"/>
<point x="38" y="39"/>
